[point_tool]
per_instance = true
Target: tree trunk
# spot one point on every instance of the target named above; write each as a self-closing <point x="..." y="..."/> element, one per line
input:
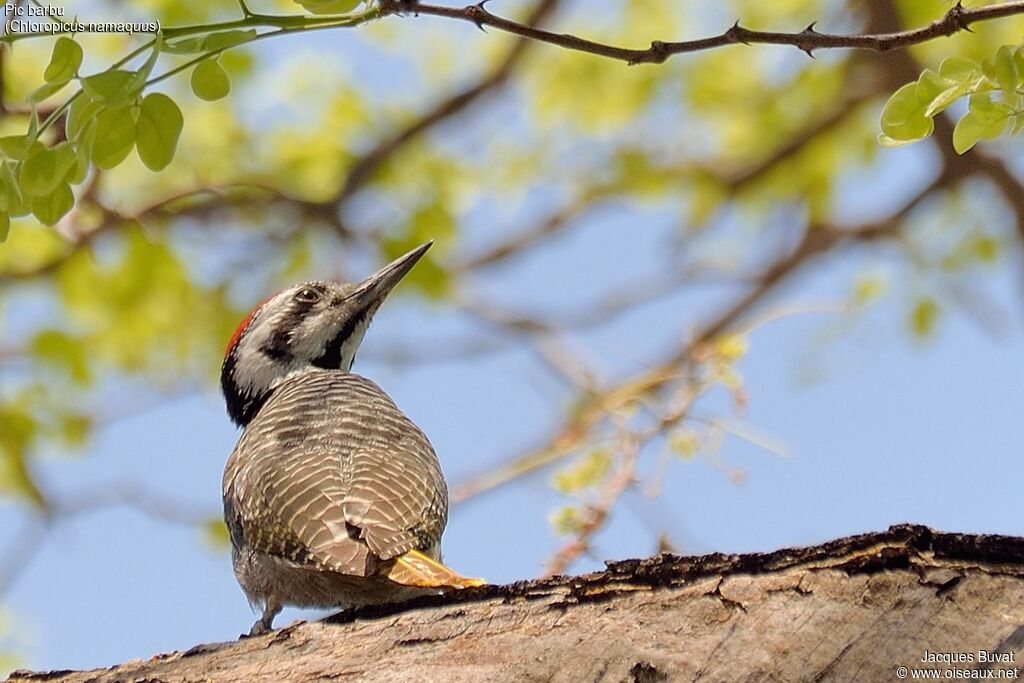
<point x="854" y="609"/>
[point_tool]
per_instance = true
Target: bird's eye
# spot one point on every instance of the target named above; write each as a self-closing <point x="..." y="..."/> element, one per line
<point x="307" y="295"/>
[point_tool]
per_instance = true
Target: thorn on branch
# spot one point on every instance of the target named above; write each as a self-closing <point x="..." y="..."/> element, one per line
<point x="809" y="47"/>
<point x="478" y="13"/>
<point x="659" y="51"/>
<point x="955" y="16"/>
<point x="737" y="34"/>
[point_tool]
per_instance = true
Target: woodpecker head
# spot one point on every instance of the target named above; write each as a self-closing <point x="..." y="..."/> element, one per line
<point x="307" y="326"/>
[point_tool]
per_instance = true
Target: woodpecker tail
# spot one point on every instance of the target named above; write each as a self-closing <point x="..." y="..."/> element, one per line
<point x="416" y="569"/>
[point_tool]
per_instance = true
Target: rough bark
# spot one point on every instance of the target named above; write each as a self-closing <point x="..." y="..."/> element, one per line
<point x="853" y="609"/>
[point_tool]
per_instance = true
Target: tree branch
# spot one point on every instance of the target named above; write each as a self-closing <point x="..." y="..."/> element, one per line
<point x="793" y="614"/>
<point x="958" y="18"/>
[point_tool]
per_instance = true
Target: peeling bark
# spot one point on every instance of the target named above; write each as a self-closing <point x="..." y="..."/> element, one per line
<point x="853" y="609"/>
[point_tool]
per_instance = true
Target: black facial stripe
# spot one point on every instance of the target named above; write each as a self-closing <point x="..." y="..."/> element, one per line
<point x="330" y="359"/>
<point x="278" y="347"/>
<point x="242" y="407"/>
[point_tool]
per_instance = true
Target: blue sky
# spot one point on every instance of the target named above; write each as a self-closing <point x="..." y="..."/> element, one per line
<point x="893" y="430"/>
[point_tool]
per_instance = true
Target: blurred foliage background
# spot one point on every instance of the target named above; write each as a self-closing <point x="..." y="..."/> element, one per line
<point x="337" y="150"/>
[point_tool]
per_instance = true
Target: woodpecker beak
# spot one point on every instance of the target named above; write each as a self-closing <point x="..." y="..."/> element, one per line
<point x="374" y="289"/>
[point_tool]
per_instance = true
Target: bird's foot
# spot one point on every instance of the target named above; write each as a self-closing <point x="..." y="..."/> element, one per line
<point x="261" y="627"/>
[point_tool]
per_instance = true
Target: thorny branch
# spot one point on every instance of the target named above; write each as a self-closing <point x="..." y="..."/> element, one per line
<point x="958" y="18"/>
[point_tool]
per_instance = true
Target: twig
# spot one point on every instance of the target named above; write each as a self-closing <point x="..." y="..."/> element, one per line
<point x="631" y="442"/>
<point x="597" y="513"/>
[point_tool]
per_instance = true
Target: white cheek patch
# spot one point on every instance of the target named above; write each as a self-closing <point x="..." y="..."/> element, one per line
<point x="311" y="337"/>
<point x="351" y="345"/>
<point x="260" y="372"/>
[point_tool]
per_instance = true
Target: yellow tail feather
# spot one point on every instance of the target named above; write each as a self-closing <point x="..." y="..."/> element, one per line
<point x="416" y="569"/>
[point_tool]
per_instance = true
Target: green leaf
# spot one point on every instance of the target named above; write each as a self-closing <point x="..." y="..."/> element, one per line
<point x="12" y="200"/>
<point x="903" y="117"/>
<point x="329" y="6"/>
<point x="82" y="111"/>
<point x="985" y="119"/>
<point x="186" y="46"/>
<point x="1018" y="60"/>
<point x="19" y="432"/>
<point x="982" y="105"/>
<point x="988" y="67"/>
<point x="886" y="141"/>
<point x="868" y="288"/>
<point x="937" y="92"/>
<point x="114" y="137"/>
<point x="587" y="472"/>
<point x="18" y="147"/>
<point x="44" y="91"/>
<point x="226" y="39"/>
<point x="45" y="169"/>
<point x="75" y="429"/>
<point x="157" y="131"/>
<point x="685" y="443"/>
<point x="210" y="81"/>
<point x="960" y="69"/>
<point x="1006" y="68"/>
<point x="113" y="88"/>
<point x="924" y="316"/>
<point x="33" y="124"/>
<point x="51" y="208"/>
<point x="210" y="43"/>
<point x="147" y="68"/>
<point x="1017" y="125"/>
<point x="64" y="62"/>
<point x="215" y="532"/>
<point x="982" y="248"/>
<point x="929" y="85"/>
<point x="966" y="133"/>
<point x="945" y="98"/>
<point x="63" y="352"/>
<point x="567" y="520"/>
<point x="5" y="226"/>
<point x="972" y="128"/>
<point x="80" y="170"/>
